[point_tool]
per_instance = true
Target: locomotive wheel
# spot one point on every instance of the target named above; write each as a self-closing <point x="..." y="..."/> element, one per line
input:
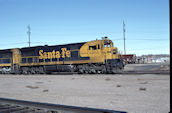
<point x="81" y="71"/>
<point x="37" y="70"/>
<point x="93" y="71"/>
<point x="98" y="72"/>
<point x="120" y="70"/>
<point x="114" y="70"/>
<point x="86" y="72"/>
<point x="28" y="72"/>
<point x="41" y="70"/>
<point x="33" y="70"/>
<point x="24" y="70"/>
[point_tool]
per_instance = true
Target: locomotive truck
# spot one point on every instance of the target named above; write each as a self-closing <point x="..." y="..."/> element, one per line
<point x="97" y="56"/>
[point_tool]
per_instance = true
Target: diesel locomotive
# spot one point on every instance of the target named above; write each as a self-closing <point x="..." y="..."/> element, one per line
<point x="97" y="56"/>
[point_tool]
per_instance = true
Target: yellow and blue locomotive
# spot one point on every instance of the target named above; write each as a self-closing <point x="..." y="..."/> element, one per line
<point x="97" y="56"/>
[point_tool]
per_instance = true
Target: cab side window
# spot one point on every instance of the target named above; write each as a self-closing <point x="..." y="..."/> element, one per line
<point x="95" y="47"/>
<point x="92" y="47"/>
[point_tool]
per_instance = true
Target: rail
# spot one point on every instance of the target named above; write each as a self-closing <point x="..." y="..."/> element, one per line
<point x="21" y="106"/>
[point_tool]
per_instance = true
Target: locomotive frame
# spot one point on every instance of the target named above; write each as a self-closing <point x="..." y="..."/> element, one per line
<point x="97" y="56"/>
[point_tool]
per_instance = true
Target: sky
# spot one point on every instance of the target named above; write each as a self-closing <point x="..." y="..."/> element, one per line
<point x="54" y="22"/>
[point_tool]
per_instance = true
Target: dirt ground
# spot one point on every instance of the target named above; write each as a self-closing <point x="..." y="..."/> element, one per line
<point x="147" y="93"/>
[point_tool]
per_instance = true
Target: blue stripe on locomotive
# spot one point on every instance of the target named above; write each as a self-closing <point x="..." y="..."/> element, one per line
<point x="34" y="51"/>
<point x="5" y="56"/>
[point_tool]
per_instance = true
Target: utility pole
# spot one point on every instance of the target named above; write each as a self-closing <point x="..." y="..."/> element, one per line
<point x="124" y="36"/>
<point x="29" y="34"/>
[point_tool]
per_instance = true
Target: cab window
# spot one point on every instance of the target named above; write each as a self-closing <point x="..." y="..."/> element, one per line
<point x="95" y="47"/>
<point x="102" y="46"/>
<point x="107" y="45"/>
<point x="111" y="44"/>
<point x="92" y="47"/>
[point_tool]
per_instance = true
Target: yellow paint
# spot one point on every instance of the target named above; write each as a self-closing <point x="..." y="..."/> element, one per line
<point x="60" y="62"/>
<point x="5" y="65"/>
<point x="54" y="54"/>
<point x="16" y="56"/>
<point x="115" y="56"/>
<point x="93" y="50"/>
<point x="98" y="51"/>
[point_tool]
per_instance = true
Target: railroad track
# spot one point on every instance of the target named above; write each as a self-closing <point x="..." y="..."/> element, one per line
<point x="146" y="72"/>
<point x="125" y="72"/>
<point x="20" y="106"/>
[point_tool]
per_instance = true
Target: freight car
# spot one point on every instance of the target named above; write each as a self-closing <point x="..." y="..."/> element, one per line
<point x="97" y="56"/>
<point x="129" y="58"/>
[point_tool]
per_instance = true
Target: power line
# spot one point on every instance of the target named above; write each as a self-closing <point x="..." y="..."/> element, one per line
<point x="22" y="43"/>
<point x="112" y="39"/>
<point x="154" y="48"/>
<point x="13" y="43"/>
<point x="143" y="39"/>
<point x="150" y="39"/>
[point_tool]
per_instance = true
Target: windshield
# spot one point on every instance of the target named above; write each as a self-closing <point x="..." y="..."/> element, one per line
<point x="106" y="45"/>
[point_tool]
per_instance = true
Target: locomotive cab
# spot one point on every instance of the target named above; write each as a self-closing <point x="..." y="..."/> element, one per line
<point x="103" y="53"/>
<point x="109" y="50"/>
<point x="112" y="58"/>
